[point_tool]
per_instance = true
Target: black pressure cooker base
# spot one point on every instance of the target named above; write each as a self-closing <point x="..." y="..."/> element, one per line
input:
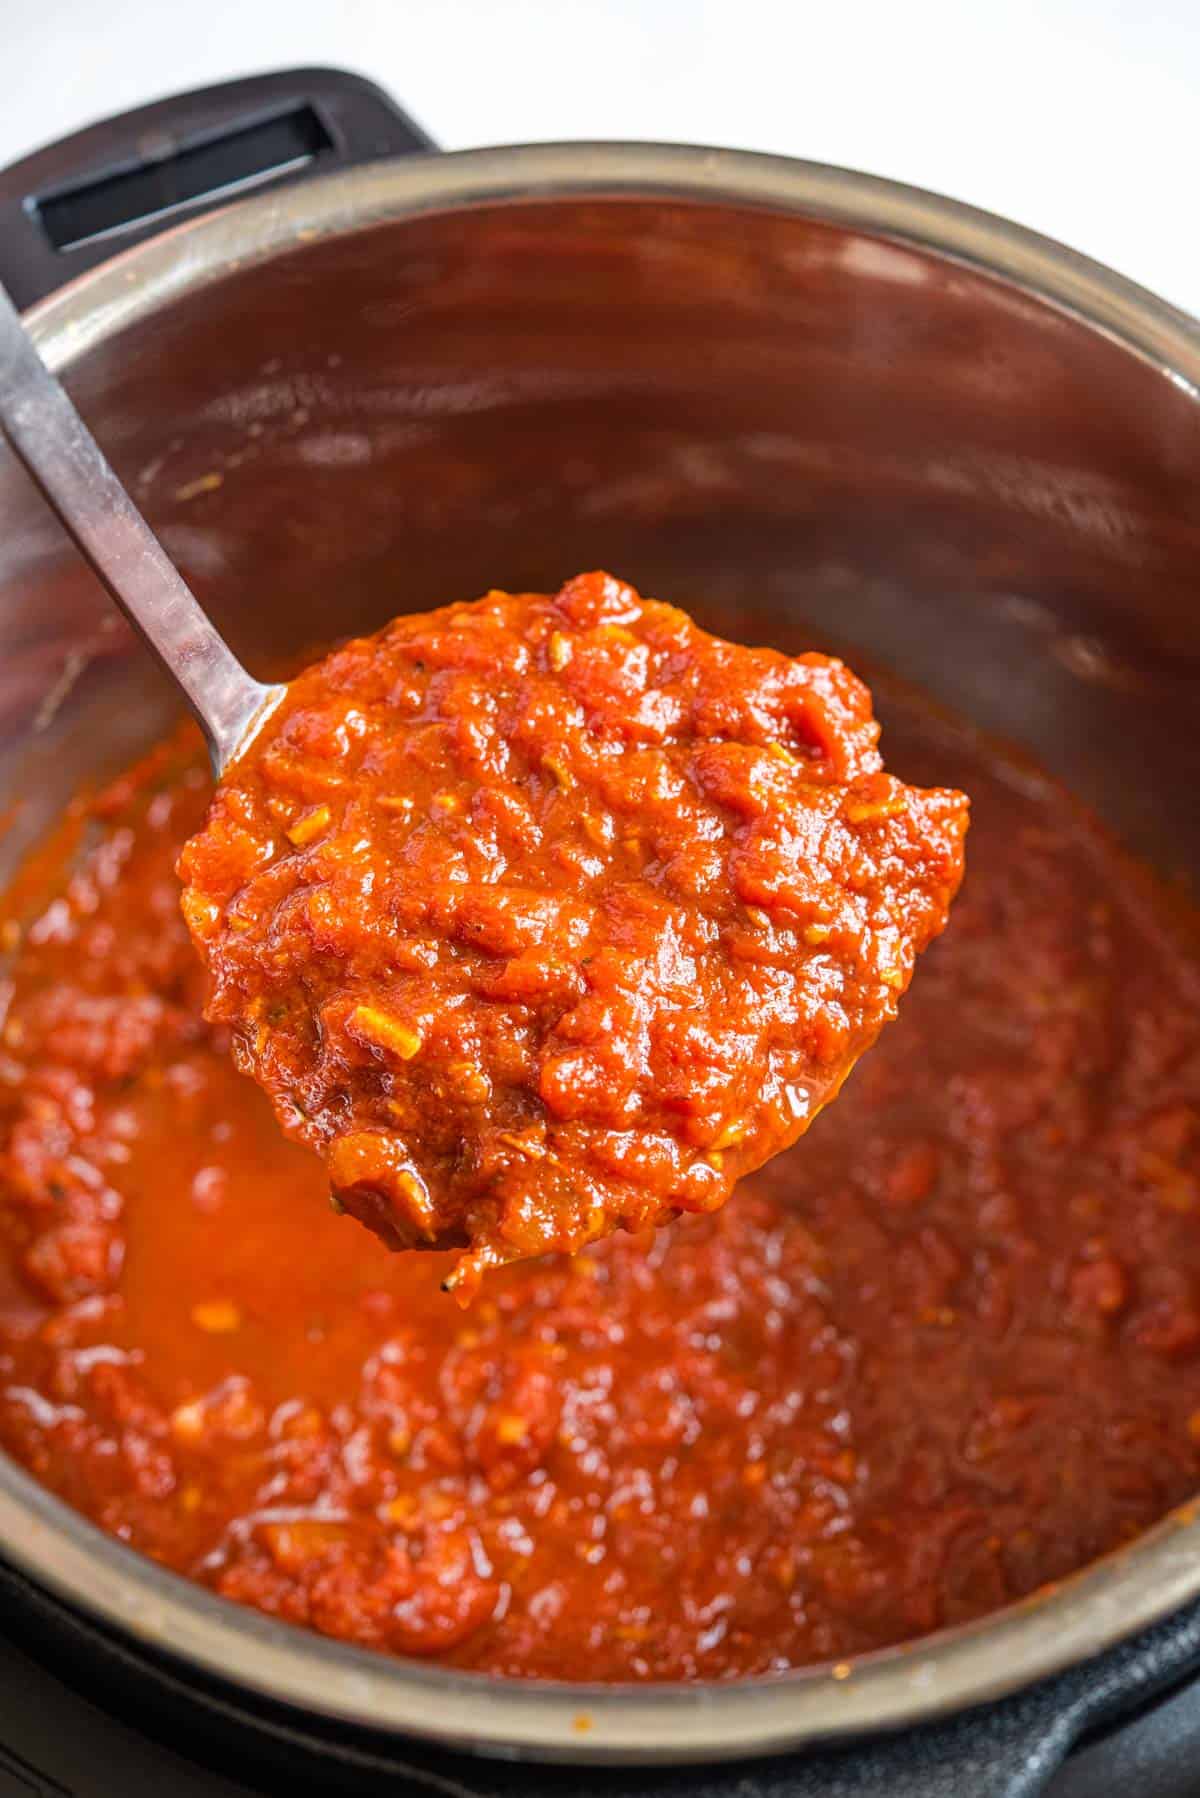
<point x="84" y="1714"/>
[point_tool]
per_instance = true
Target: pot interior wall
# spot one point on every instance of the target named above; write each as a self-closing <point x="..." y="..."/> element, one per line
<point x="809" y="437"/>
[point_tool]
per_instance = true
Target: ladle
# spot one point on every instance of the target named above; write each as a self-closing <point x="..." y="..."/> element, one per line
<point x="74" y="475"/>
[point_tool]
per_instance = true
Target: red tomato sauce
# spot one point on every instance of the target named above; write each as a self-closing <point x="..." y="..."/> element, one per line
<point x="945" y="1350"/>
<point x="548" y="915"/>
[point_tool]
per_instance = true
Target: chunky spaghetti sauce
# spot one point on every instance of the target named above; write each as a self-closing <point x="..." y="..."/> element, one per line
<point x="945" y="1350"/>
<point x="547" y="915"/>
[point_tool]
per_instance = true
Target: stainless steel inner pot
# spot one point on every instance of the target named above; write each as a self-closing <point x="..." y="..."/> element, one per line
<point x="820" y="409"/>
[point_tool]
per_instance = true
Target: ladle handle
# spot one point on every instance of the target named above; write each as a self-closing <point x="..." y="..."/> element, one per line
<point x="72" y="472"/>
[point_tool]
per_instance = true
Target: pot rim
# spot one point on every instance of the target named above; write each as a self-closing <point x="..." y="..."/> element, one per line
<point x="1096" y="1608"/>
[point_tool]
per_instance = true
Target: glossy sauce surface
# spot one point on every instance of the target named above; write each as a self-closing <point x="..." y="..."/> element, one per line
<point x="945" y="1350"/>
<point x="546" y="915"/>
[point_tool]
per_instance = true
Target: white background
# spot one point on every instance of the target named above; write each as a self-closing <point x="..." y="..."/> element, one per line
<point x="1079" y="117"/>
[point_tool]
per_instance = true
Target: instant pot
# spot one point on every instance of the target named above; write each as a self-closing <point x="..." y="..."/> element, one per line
<point x="332" y="365"/>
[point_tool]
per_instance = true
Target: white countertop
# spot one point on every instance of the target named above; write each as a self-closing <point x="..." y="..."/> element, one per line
<point x="1078" y="117"/>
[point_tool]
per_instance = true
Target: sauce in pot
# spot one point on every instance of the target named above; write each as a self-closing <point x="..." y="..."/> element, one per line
<point x="944" y="1351"/>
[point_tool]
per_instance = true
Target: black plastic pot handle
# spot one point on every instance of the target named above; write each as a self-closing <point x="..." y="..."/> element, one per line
<point x="80" y="200"/>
